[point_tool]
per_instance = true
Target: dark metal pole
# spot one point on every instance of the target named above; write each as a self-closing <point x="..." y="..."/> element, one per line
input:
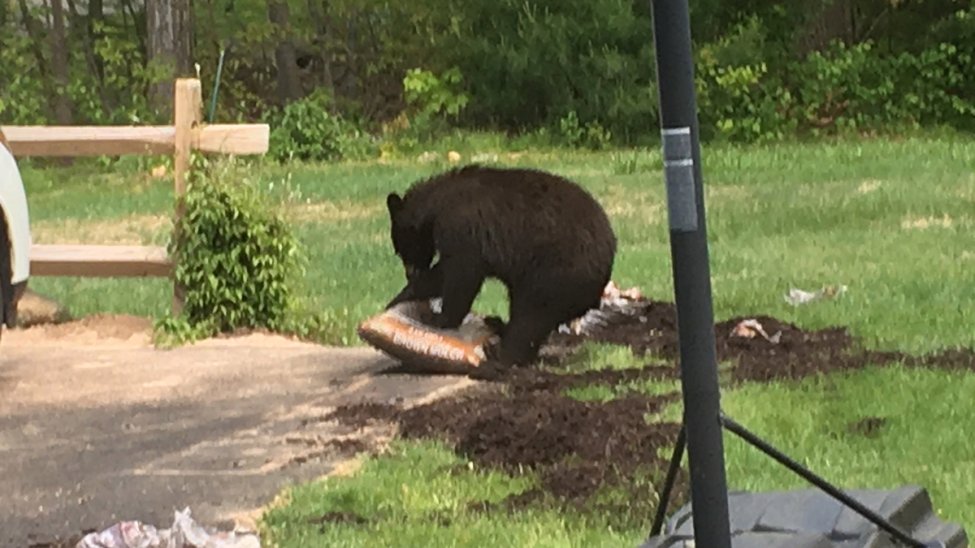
<point x="692" y="276"/>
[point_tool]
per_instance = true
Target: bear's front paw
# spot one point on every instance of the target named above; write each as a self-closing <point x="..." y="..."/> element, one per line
<point x="440" y="321"/>
<point x="491" y="349"/>
<point x="489" y="370"/>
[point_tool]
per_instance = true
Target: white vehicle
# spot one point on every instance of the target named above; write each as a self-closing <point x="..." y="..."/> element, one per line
<point x="15" y="240"/>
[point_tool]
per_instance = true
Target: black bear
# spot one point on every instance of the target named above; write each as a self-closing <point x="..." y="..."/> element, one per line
<point x="544" y="237"/>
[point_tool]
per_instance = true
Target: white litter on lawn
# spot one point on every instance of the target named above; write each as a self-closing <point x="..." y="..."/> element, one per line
<point x="184" y="533"/>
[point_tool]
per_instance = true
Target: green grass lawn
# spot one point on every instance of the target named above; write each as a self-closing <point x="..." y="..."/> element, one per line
<point x="414" y="497"/>
<point x="891" y="219"/>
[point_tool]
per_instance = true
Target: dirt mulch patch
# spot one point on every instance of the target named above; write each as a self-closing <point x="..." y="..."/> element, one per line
<point x="797" y="353"/>
<point x="578" y="449"/>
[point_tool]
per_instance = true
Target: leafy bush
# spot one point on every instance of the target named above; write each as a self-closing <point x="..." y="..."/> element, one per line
<point x="22" y="99"/>
<point x="739" y="98"/>
<point x="307" y="129"/>
<point x="939" y="81"/>
<point x="530" y="64"/>
<point x="235" y="259"/>
<point x="746" y="94"/>
<point x="590" y="135"/>
<point x="431" y="96"/>
<point x="432" y="103"/>
<point x="853" y="88"/>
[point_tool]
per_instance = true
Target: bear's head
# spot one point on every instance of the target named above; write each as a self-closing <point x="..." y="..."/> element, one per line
<point x="413" y="244"/>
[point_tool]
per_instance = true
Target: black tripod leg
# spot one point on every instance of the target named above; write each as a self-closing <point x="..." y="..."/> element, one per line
<point x="675" y="458"/>
<point x="812" y="478"/>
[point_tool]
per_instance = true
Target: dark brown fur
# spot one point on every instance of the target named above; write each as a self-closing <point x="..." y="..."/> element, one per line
<point x="544" y="237"/>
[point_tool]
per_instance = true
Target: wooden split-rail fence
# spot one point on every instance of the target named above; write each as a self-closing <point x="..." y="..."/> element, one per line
<point x="188" y="133"/>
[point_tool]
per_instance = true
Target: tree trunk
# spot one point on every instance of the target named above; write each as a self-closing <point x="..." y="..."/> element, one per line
<point x="59" y="64"/>
<point x="169" y="47"/>
<point x="35" y="33"/>
<point x="830" y="21"/>
<point x="96" y="14"/>
<point x="318" y="9"/>
<point x="82" y="30"/>
<point x="138" y="25"/>
<point x="289" y="83"/>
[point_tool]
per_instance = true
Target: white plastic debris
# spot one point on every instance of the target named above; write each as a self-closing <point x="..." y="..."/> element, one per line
<point x="185" y="533"/>
<point x="613" y="302"/>
<point x="749" y="329"/>
<point x="796" y="297"/>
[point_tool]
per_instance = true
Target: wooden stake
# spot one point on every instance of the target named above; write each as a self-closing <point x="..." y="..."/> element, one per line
<point x="187" y="115"/>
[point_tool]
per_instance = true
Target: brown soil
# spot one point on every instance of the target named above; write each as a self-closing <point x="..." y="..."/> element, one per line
<point x="577" y="449"/>
<point x="36" y="309"/>
<point x="95" y="329"/>
<point x="796" y="355"/>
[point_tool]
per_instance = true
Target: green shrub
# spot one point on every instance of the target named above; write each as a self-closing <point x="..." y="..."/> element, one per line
<point x="431" y="96"/>
<point x="433" y="103"/>
<point x="236" y="260"/>
<point x="307" y="129"/>
<point x="590" y="135"/>
<point x="739" y="97"/>
<point x="22" y="99"/>
<point x="530" y="64"/>
<point x="747" y="94"/>
<point x="940" y="83"/>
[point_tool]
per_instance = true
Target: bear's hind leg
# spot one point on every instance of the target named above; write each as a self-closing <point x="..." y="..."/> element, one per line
<point x="526" y="331"/>
<point x="538" y="313"/>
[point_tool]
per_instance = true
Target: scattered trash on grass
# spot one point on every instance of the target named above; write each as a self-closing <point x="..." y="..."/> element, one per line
<point x="795" y="297"/>
<point x="614" y="302"/>
<point x="748" y="329"/>
<point x="185" y="533"/>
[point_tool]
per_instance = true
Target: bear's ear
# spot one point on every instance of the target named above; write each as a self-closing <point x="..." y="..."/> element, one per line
<point x="394" y="203"/>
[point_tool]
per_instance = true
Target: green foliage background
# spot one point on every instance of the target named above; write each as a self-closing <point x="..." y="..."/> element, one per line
<point x="569" y="72"/>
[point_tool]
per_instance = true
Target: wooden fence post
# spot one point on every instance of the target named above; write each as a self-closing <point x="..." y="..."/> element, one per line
<point x="187" y="115"/>
<point x="187" y="134"/>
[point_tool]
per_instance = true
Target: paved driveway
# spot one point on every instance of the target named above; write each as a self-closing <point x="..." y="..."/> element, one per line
<point x="95" y="429"/>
